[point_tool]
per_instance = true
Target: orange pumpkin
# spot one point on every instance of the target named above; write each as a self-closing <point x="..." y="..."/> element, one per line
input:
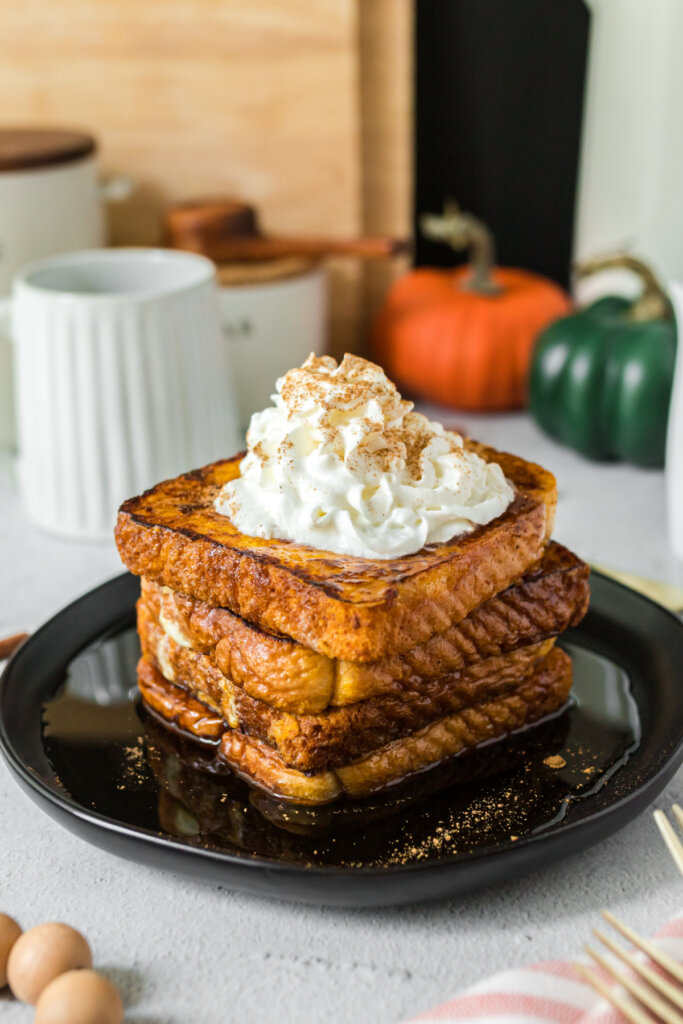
<point x="464" y="337"/>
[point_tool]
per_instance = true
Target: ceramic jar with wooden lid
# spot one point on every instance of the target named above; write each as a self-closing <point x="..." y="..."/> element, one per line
<point x="50" y="198"/>
<point x="273" y="315"/>
<point x="273" y="296"/>
<point x="50" y="202"/>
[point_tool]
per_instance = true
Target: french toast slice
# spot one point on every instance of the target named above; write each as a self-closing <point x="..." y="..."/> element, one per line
<point x="315" y="743"/>
<point x="540" y="694"/>
<point x="549" y="598"/>
<point x="349" y="608"/>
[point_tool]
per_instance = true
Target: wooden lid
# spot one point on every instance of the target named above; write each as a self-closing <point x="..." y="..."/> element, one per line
<point x="23" y="148"/>
<point x="266" y="272"/>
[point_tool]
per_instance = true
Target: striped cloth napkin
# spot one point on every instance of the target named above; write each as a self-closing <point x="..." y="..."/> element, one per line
<point x="547" y="993"/>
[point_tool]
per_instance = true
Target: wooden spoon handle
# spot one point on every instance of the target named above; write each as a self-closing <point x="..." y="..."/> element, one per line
<point x="9" y="644"/>
<point x="227" y="231"/>
<point x="246" y="250"/>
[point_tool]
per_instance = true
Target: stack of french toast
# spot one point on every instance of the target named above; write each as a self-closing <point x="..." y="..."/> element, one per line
<point x="318" y="676"/>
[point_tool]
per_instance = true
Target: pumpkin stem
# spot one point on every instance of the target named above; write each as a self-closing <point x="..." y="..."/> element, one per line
<point x="464" y="231"/>
<point x="653" y="303"/>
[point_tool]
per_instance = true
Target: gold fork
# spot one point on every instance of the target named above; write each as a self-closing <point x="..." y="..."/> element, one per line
<point x="648" y="990"/>
<point x="672" y="841"/>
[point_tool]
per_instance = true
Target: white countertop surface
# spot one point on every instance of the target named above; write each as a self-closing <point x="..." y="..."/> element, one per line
<point x="183" y="951"/>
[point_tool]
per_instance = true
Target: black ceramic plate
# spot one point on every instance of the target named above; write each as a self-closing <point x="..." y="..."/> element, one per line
<point x="79" y="743"/>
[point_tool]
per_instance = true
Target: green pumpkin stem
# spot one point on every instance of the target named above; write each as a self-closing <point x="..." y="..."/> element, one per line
<point x="464" y="231"/>
<point x="653" y="302"/>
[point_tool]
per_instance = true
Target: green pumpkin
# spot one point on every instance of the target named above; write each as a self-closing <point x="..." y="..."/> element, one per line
<point x="601" y="378"/>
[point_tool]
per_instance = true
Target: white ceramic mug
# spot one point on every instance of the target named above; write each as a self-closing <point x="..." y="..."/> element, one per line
<point x="122" y="379"/>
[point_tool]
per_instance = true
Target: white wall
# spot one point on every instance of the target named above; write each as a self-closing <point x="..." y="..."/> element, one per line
<point x="631" y="172"/>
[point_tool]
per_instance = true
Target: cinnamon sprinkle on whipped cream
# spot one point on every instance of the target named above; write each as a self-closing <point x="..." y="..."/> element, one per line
<point x="342" y="463"/>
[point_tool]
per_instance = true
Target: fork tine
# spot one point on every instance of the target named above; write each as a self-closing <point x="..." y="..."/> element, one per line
<point x="678" y="813"/>
<point x="646" y="996"/>
<point x="655" y="954"/>
<point x="672" y="841"/>
<point x="619" y="1002"/>
<point x="673" y="994"/>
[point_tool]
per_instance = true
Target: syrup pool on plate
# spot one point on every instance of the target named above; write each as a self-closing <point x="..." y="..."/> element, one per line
<point x="113" y="757"/>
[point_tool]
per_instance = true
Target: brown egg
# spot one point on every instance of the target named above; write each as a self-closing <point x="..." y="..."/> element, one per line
<point x="9" y="933"/>
<point x="43" y="953"/>
<point x="79" y="997"/>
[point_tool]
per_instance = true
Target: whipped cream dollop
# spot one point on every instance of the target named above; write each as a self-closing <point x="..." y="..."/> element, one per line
<point x="341" y="462"/>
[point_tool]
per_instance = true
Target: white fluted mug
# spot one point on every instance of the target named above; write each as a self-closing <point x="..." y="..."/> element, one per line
<point x="122" y="379"/>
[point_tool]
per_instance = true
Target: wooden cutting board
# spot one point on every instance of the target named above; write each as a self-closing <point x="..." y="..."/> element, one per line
<point x="259" y="100"/>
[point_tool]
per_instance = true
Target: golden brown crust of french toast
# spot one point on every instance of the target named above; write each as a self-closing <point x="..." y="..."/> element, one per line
<point x="540" y="694"/>
<point x="547" y="600"/>
<point x="349" y="608"/>
<point x="316" y="743"/>
<point x="528" y="477"/>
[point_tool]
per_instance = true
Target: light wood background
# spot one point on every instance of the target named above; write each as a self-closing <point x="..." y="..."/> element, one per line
<point x="303" y="108"/>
